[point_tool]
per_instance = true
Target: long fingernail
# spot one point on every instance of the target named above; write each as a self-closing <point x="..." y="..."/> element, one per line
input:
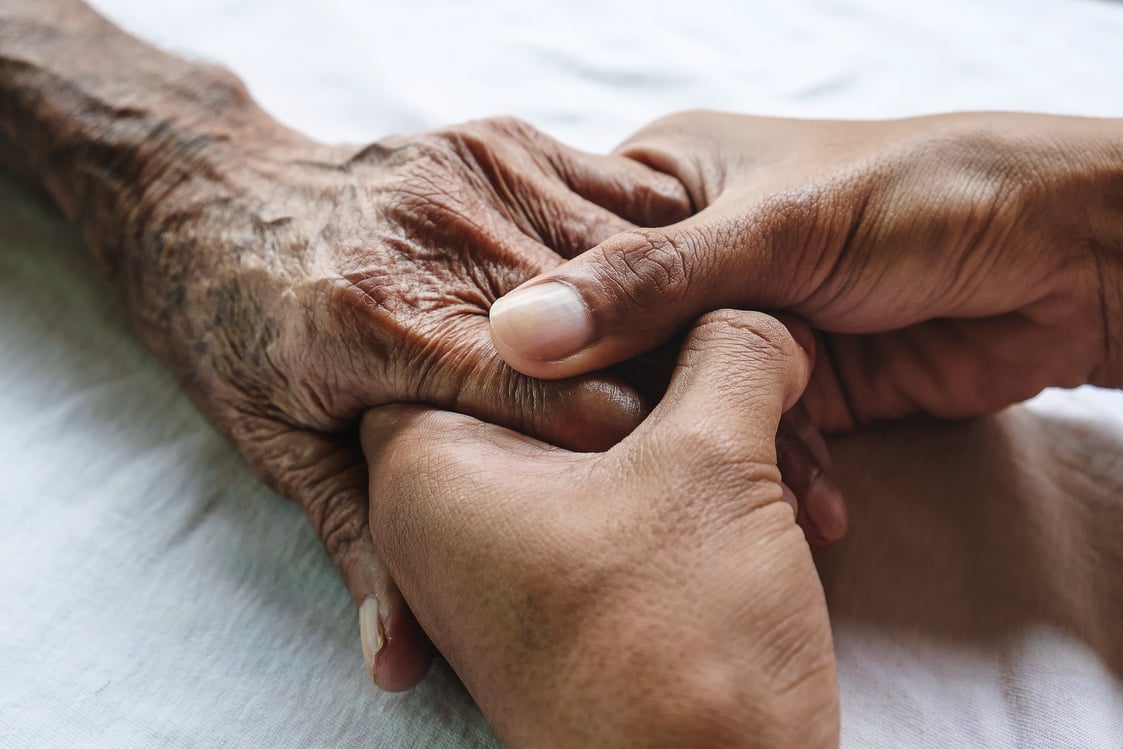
<point x="370" y="633"/>
<point x="826" y="509"/>
<point x="545" y="322"/>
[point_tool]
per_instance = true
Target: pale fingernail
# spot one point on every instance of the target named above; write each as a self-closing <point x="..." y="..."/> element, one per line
<point x="545" y="322"/>
<point x="370" y="633"/>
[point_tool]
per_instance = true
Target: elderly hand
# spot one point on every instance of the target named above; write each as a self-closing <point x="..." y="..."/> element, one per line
<point x="290" y="284"/>
<point x="954" y="264"/>
<point x="294" y="285"/>
<point x="657" y="594"/>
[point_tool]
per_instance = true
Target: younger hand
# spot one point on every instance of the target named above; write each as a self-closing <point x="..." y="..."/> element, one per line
<point x="657" y="594"/>
<point x="954" y="264"/>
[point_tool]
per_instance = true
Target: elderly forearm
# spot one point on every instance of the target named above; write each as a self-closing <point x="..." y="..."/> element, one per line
<point x="133" y="145"/>
<point x="98" y="119"/>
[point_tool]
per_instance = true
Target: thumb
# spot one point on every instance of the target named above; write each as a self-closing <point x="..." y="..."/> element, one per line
<point x="737" y="374"/>
<point x="750" y="576"/>
<point x="628" y="295"/>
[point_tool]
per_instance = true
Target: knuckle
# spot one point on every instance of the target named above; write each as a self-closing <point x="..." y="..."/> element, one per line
<point x="339" y="527"/>
<point x="406" y="155"/>
<point x="650" y="269"/>
<point x="474" y="140"/>
<point x="480" y="139"/>
<point x="511" y="126"/>
<point x="324" y="477"/>
<point x="453" y="365"/>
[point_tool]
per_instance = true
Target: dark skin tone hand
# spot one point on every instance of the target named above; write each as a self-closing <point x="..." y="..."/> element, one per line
<point x="291" y="284"/>
<point x="952" y="265"/>
<point x="657" y="594"/>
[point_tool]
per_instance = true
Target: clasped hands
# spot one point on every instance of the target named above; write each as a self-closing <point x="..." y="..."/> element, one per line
<point x="539" y="385"/>
<point x="656" y="590"/>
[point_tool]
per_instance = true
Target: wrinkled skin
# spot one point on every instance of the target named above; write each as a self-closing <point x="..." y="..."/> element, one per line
<point x="953" y="265"/>
<point x="658" y="594"/>
<point x="305" y="284"/>
<point x="289" y="284"/>
<point x="312" y="282"/>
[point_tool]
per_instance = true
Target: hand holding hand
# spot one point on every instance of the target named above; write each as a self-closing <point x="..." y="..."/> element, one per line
<point x="291" y="285"/>
<point x="954" y="264"/>
<point x="657" y="594"/>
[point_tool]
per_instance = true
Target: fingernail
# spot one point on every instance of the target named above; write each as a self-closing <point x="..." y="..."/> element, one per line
<point x="370" y="633"/>
<point x="826" y="509"/>
<point x="546" y="322"/>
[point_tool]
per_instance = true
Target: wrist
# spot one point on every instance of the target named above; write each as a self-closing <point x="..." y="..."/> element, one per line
<point x="1063" y="177"/>
<point x="101" y="121"/>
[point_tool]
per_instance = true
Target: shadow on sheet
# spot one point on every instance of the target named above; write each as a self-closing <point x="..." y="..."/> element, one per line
<point x="980" y="532"/>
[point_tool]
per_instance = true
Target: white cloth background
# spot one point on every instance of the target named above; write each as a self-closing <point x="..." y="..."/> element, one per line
<point x="152" y="594"/>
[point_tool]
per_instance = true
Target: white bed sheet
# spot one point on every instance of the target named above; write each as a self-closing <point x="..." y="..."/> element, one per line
<point x="152" y="594"/>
